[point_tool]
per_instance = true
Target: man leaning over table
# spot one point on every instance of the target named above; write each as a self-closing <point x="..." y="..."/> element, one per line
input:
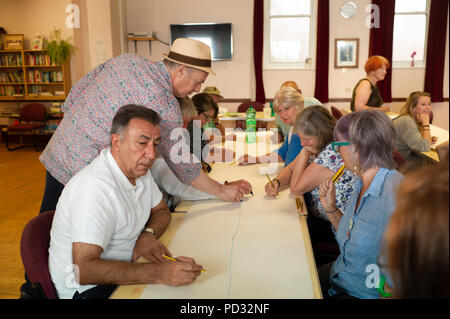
<point x="112" y="212"/>
<point x="131" y="79"/>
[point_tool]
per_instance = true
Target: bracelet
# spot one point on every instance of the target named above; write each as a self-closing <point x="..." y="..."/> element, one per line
<point x="332" y="212"/>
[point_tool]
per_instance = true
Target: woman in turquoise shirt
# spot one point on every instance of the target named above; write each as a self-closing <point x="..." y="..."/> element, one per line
<point x="365" y="140"/>
<point x="287" y="104"/>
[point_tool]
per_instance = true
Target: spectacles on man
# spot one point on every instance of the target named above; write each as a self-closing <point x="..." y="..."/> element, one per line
<point x="336" y="145"/>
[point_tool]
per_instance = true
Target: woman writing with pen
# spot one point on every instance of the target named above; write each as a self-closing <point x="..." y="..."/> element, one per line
<point x="365" y="140"/>
<point x="316" y="162"/>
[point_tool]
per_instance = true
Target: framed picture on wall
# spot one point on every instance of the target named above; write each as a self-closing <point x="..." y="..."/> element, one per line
<point x="13" y="41"/>
<point x="346" y="52"/>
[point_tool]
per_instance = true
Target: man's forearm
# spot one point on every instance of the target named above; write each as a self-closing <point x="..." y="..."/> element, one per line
<point x="204" y="183"/>
<point x="107" y="272"/>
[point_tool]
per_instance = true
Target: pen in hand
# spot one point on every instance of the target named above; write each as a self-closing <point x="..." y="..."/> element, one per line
<point x="173" y="259"/>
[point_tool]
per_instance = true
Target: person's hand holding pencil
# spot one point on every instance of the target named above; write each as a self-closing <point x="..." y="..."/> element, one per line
<point x="272" y="187"/>
<point x="179" y="271"/>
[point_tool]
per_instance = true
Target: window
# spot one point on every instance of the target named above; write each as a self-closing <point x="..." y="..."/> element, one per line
<point x="289" y="34"/>
<point x="410" y="32"/>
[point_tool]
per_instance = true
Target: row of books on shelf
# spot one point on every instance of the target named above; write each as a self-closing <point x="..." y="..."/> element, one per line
<point x="12" y="90"/>
<point x="31" y="60"/>
<point x="11" y="60"/>
<point x="36" y="76"/>
<point x="34" y="91"/>
<point x="11" y="77"/>
<point x="37" y="90"/>
<point x="39" y="59"/>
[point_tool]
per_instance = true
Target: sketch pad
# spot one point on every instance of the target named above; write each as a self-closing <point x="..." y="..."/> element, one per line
<point x="253" y="249"/>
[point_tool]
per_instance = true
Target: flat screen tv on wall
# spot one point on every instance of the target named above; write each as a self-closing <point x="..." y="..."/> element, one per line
<point x="217" y="35"/>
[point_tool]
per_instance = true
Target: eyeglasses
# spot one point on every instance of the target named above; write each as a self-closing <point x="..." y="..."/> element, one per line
<point x="208" y="117"/>
<point x="337" y="145"/>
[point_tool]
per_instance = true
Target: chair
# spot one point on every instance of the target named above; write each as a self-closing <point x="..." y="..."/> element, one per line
<point x="32" y="119"/>
<point x="337" y="114"/>
<point x="398" y="158"/>
<point x="34" y="246"/>
<point x="243" y="107"/>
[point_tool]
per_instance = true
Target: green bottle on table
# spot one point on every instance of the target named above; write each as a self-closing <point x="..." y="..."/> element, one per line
<point x="250" y="125"/>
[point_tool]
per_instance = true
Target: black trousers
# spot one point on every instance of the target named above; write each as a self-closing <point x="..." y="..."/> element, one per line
<point x="97" y="292"/>
<point x="52" y="192"/>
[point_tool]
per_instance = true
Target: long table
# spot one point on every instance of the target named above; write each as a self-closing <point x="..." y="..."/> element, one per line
<point x="258" y="248"/>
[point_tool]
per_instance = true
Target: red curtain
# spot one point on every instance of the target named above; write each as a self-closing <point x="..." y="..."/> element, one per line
<point x="381" y="42"/>
<point x="258" y="42"/>
<point x="437" y="31"/>
<point x="322" y="50"/>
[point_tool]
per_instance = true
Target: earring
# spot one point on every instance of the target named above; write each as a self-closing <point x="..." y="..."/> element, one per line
<point x="355" y="168"/>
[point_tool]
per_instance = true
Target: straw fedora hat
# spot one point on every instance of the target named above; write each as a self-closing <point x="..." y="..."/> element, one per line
<point x="212" y="90"/>
<point x="190" y="52"/>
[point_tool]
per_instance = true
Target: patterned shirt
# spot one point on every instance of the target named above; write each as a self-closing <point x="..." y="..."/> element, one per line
<point x="344" y="185"/>
<point x="94" y="100"/>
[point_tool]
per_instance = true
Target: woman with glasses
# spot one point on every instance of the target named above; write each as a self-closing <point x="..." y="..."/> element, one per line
<point x="413" y="129"/>
<point x="207" y="110"/>
<point x="366" y="140"/>
<point x="288" y="102"/>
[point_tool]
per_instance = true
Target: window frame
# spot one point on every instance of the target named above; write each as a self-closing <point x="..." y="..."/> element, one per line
<point x="267" y="65"/>
<point x="402" y="64"/>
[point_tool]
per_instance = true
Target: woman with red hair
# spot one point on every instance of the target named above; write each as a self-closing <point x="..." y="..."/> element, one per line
<point x="366" y="94"/>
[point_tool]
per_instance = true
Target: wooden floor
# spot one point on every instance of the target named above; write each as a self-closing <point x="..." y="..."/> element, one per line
<point x="22" y="179"/>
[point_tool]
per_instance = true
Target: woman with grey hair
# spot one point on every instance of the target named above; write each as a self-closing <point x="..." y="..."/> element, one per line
<point x="365" y="140"/>
<point x="288" y="102"/>
<point x="316" y="162"/>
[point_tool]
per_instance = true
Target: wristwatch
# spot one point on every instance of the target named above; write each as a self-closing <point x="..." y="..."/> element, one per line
<point x="150" y="230"/>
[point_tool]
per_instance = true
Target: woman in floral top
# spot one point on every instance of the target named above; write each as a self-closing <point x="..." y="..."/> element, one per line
<point x="316" y="162"/>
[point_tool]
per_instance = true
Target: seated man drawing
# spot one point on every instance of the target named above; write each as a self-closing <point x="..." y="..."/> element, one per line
<point x="112" y="212"/>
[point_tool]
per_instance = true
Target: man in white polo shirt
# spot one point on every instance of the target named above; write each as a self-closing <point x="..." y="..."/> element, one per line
<point x="112" y="212"/>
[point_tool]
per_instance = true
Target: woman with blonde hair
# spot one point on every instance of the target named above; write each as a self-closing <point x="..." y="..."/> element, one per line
<point x="365" y="93"/>
<point x="413" y="128"/>
<point x="287" y="104"/>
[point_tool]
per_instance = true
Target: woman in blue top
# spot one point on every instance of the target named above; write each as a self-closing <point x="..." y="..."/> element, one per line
<point x="365" y="140"/>
<point x="287" y="103"/>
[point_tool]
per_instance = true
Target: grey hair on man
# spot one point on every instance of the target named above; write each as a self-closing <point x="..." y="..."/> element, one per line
<point x="131" y="111"/>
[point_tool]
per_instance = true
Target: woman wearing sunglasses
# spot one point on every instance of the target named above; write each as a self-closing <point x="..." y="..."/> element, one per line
<point x="365" y="140"/>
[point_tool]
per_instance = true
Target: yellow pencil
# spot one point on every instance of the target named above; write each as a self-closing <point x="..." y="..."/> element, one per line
<point x="173" y="259"/>
<point x="338" y="174"/>
<point x="271" y="182"/>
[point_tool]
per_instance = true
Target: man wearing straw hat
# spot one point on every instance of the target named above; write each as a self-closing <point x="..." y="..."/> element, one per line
<point x="131" y="79"/>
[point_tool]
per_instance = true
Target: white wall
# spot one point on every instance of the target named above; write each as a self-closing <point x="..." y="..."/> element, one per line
<point x="235" y="78"/>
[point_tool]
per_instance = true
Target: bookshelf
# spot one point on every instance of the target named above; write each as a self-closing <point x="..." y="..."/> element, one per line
<point x="31" y="75"/>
